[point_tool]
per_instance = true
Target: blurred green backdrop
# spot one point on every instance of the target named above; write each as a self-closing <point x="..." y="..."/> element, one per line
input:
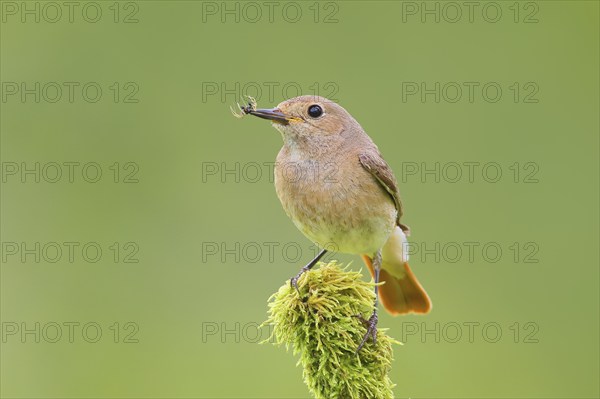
<point x="201" y="240"/>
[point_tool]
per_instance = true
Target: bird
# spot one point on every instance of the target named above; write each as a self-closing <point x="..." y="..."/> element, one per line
<point x="337" y="189"/>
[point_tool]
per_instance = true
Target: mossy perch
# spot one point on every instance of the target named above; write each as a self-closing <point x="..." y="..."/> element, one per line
<point x="321" y="325"/>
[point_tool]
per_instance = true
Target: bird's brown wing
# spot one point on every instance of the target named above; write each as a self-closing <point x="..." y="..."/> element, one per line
<point x="376" y="165"/>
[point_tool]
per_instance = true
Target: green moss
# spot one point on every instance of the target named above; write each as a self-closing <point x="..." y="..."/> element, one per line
<point x="321" y="326"/>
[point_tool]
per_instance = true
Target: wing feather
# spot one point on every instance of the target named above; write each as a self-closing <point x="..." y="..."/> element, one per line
<point x="376" y="166"/>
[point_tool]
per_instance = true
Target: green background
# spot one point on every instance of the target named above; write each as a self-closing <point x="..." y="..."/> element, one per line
<point x="177" y="291"/>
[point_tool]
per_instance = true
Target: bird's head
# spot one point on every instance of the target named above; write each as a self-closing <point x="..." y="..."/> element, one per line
<point x="308" y="119"/>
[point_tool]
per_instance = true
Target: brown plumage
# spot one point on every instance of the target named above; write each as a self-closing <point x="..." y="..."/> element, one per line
<point x="338" y="190"/>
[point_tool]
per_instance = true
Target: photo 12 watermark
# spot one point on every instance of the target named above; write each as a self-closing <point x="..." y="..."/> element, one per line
<point x="470" y="92"/>
<point x="470" y="12"/>
<point x="57" y="172"/>
<point x="264" y="251"/>
<point x="252" y="12"/>
<point x="470" y="172"/>
<point x="270" y="92"/>
<point x="69" y="12"/>
<point x="69" y="332"/>
<point x="469" y="332"/>
<point x="14" y="92"/>
<point x="38" y="252"/>
<point x="251" y="172"/>
<point x="474" y="252"/>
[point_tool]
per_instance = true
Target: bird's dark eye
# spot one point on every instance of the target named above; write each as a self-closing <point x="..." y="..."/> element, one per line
<point x="315" y="111"/>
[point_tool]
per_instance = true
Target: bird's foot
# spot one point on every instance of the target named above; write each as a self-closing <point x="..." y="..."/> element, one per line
<point x="371" y="326"/>
<point x="294" y="280"/>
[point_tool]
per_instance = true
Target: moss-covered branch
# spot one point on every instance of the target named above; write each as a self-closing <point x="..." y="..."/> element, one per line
<point x="321" y="325"/>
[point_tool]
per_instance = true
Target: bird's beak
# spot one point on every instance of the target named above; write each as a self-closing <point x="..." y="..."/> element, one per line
<point x="273" y="114"/>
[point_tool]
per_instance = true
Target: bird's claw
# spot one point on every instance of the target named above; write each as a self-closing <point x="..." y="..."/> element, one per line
<point x="371" y="326"/>
<point x="294" y="281"/>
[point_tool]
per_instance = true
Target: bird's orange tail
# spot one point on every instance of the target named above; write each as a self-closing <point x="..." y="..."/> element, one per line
<point x="400" y="295"/>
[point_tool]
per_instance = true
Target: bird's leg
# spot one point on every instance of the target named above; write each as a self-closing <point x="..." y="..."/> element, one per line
<point x="294" y="280"/>
<point x="371" y="324"/>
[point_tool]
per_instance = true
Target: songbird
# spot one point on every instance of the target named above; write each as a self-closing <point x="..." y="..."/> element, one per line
<point x="341" y="194"/>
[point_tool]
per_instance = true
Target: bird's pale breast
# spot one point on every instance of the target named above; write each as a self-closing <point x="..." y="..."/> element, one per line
<point x="339" y="205"/>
